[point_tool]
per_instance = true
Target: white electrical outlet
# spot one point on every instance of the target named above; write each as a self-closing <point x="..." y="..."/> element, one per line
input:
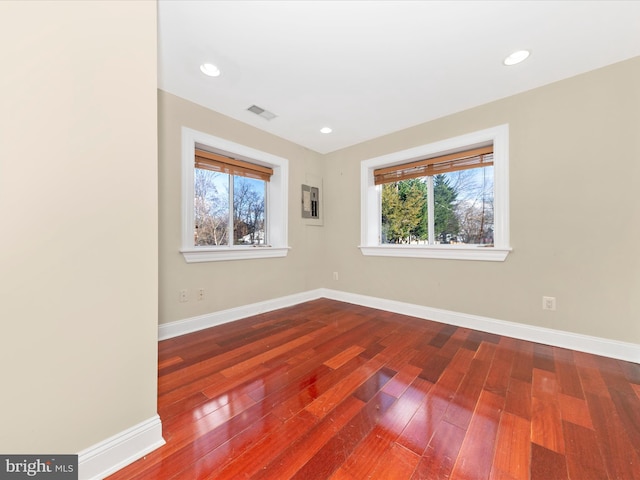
<point x="184" y="296"/>
<point x="548" y="303"/>
<point x="201" y="294"/>
<point x="335" y="275"/>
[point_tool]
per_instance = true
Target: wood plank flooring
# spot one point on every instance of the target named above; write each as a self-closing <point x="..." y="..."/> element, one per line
<point x="329" y="390"/>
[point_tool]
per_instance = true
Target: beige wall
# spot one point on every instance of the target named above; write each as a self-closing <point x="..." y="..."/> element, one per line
<point x="575" y="212"/>
<point x="574" y="225"/>
<point x="78" y="203"/>
<point x="237" y="283"/>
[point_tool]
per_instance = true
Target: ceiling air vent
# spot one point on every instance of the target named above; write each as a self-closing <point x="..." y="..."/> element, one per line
<point x="261" y="112"/>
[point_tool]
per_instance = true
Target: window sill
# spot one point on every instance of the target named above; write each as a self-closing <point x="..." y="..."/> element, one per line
<point x="449" y="252"/>
<point x="220" y="254"/>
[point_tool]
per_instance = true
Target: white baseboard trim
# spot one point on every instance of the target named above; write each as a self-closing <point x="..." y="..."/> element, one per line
<point x="194" y="324"/>
<point x="557" y="338"/>
<point x="114" y="453"/>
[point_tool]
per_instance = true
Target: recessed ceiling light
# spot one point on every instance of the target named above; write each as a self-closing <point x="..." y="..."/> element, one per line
<point x="517" y="57"/>
<point x="210" y="69"/>
<point x="325" y="130"/>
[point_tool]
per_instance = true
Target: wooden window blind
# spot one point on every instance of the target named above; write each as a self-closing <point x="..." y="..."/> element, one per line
<point x="232" y="166"/>
<point x="474" y="158"/>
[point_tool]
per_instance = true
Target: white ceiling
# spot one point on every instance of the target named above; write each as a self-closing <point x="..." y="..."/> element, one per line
<point x="369" y="68"/>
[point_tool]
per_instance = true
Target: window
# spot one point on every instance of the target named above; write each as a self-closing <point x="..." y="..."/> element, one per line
<point x="442" y="200"/>
<point x="230" y="196"/>
<point x="234" y="200"/>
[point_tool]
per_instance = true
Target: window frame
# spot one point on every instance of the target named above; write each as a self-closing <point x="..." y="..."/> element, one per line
<point x="276" y="200"/>
<point x="370" y="204"/>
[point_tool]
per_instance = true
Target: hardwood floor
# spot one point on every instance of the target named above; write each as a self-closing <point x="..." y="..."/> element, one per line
<point x="329" y="390"/>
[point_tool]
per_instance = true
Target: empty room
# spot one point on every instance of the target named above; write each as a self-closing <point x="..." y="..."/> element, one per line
<point x="320" y="239"/>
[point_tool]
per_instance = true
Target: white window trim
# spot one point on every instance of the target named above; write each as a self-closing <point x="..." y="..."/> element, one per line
<point x="370" y="200"/>
<point x="276" y="198"/>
